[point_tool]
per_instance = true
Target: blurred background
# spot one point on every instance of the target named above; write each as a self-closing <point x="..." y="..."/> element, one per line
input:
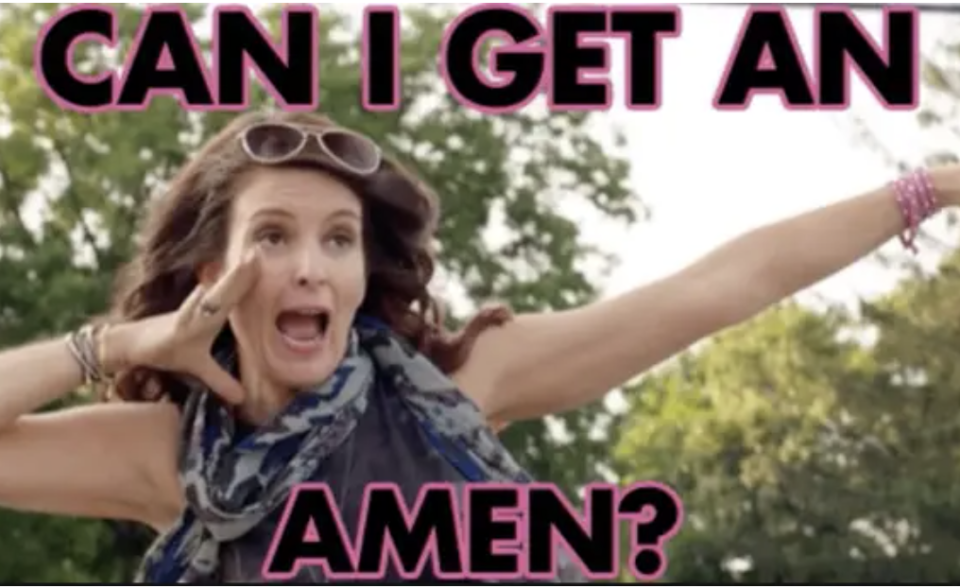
<point x="819" y="443"/>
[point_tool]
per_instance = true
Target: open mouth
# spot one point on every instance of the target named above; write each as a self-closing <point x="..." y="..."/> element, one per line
<point x="303" y="328"/>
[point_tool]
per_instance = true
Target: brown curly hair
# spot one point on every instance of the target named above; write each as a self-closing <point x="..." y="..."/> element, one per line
<point x="188" y="226"/>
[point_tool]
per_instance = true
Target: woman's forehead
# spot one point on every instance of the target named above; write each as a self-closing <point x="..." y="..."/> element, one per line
<point x="294" y="187"/>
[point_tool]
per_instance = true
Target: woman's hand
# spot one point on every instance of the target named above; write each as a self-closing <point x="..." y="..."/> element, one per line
<point x="181" y="341"/>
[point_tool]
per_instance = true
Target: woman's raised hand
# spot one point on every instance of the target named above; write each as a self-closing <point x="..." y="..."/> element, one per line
<point x="181" y="341"/>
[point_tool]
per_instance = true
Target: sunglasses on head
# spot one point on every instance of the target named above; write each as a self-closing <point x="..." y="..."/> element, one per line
<point x="274" y="143"/>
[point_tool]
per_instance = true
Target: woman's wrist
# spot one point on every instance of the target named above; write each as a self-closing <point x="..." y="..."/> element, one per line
<point x="920" y="195"/>
<point x="946" y="185"/>
<point x="113" y="341"/>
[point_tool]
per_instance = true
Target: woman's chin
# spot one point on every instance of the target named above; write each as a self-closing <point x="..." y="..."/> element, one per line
<point x="304" y="377"/>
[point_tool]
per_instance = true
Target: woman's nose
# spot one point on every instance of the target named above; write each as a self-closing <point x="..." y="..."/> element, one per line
<point x="311" y="268"/>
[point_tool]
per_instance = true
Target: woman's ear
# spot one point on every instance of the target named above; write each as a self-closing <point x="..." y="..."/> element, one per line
<point x="209" y="273"/>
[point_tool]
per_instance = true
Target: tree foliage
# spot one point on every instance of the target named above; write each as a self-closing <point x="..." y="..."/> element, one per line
<point x="805" y="454"/>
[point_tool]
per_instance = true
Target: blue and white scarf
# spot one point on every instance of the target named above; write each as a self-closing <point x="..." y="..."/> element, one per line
<point x="232" y="486"/>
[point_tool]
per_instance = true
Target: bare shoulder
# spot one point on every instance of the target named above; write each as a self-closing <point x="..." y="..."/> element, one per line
<point x="551" y="362"/>
<point x="114" y="461"/>
<point x="481" y="373"/>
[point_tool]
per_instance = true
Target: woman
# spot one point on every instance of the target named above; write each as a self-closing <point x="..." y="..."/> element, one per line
<point x="275" y="328"/>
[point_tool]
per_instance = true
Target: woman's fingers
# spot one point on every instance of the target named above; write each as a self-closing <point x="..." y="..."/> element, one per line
<point x="220" y="381"/>
<point x="205" y="311"/>
<point x="188" y="309"/>
<point x="217" y="301"/>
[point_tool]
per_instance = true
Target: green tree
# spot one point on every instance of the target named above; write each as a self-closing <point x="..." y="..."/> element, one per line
<point x="806" y="455"/>
<point x="72" y="187"/>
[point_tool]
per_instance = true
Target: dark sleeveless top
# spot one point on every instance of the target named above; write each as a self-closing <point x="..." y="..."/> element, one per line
<point x="389" y="446"/>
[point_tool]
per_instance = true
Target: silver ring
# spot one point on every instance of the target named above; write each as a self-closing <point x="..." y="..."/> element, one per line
<point x="209" y="308"/>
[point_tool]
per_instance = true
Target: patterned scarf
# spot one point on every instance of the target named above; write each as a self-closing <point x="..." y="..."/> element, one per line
<point x="231" y="486"/>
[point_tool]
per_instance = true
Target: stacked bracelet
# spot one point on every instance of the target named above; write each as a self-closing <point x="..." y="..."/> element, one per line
<point x="918" y="202"/>
<point x="87" y="347"/>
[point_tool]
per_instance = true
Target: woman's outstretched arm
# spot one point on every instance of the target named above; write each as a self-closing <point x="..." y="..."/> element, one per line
<point x="35" y="375"/>
<point x="93" y="461"/>
<point x="113" y="460"/>
<point x="548" y="363"/>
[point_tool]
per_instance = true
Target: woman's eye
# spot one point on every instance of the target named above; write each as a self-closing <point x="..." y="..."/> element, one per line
<point x="271" y="237"/>
<point x="342" y="240"/>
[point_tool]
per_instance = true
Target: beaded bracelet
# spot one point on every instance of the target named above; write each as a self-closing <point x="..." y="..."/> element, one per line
<point x="918" y="202"/>
<point x="86" y="345"/>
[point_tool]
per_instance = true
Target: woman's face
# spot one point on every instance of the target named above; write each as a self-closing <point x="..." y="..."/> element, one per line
<point x="294" y="326"/>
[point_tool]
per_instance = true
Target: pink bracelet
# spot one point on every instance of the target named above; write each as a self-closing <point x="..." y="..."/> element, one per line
<point x="917" y="200"/>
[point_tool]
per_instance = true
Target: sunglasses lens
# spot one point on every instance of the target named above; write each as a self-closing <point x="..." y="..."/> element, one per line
<point x="273" y="142"/>
<point x="356" y="152"/>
